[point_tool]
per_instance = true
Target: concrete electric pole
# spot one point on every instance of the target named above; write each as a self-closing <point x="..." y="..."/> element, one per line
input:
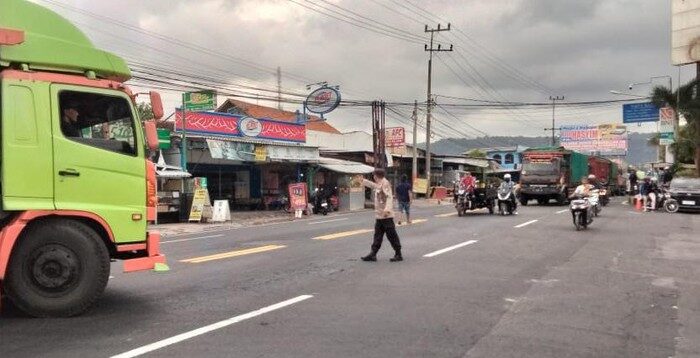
<point x="414" y="169"/>
<point x="430" y="93"/>
<point x="554" y="128"/>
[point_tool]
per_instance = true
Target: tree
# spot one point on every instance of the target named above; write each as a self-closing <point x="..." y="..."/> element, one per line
<point x="476" y="153"/>
<point x="145" y="111"/>
<point x="686" y="102"/>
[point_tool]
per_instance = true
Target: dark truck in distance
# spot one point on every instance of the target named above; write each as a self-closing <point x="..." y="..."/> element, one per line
<point x="550" y="173"/>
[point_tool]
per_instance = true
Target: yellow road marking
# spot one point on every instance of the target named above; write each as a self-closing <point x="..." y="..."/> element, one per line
<point x="339" y="235"/>
<point x="225" y="255"/>
<point x="446" y="215"/>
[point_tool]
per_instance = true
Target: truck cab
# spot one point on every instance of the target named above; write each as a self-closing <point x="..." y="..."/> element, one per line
<point x="76" y="186"/>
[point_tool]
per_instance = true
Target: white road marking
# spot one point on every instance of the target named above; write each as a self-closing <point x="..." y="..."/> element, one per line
<point x="511" y="300"/>
<point x="212" y="327"/>
<point x="562" y="211"/>
<point x="326" y="221"/>
<point x="442" y="251"/>
<point x="625" y="202"/>
<point x="526" y="223"/>
<point x="192" y="239"/>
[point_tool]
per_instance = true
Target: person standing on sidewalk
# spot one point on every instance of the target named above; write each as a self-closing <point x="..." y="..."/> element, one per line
<point x="384" y="224"/>
<point x="403" y="194"/>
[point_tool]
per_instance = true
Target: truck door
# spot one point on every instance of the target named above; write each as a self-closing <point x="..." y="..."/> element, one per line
<point x="99" y="162"/>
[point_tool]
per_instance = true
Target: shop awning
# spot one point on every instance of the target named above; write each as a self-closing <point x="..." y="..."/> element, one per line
<point x="475" y="162"/>
<point x="344" y="166"/>
<point x="170" y="172"/>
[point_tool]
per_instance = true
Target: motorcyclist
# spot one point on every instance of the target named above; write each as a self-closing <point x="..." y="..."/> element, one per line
<point x="508" y="184"/>
<point x="468" y="182"/>
<point x="584" y="189"/>
<point x="649" y="191"/>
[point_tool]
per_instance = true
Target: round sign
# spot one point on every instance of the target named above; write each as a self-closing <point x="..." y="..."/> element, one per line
<point x="323" y="100"/>
<point x="250" y="127"/>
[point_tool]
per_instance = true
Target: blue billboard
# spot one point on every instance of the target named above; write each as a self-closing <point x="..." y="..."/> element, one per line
<point x="640" y="112"/>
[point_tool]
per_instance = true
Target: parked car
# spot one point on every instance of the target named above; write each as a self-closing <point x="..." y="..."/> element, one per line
<point x="687" y="192"/>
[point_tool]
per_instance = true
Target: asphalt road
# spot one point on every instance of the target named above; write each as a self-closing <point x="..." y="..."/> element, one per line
<point x="519" y="286"/>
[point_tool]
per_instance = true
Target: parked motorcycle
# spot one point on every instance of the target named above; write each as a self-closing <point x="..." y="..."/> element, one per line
<point x="581" y="212"/>
<point x="321" y="201"/>
<point x="506" y="201"/>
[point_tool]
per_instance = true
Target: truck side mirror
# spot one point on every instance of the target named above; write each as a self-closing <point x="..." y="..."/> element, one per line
<point x="149" y="128"/>
<point x="156" y="104"/>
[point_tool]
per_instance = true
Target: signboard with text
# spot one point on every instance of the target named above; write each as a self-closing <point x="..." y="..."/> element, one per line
<point x="199" y="101"/>
<point x="395" y="137"/>
<point x="639" y="112"/>
<point x="604" y="139"/>
<point x="666" y="119"/>
<point x="297" y="196"/>
<point x="232" y="125"/>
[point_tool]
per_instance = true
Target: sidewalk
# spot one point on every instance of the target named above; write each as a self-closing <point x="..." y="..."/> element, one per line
<point x="252" y="218"/>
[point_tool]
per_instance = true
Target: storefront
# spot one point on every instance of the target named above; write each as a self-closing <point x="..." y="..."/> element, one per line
<point x="247" y="161"/>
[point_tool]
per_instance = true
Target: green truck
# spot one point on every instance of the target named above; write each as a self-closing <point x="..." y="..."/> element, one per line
<point x="76" y="187"/>
<point x="550" y="173"/>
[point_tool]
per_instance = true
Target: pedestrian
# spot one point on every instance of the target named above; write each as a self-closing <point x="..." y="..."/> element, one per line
<point x="404" y="194"/>
<point x="384" y="214"/>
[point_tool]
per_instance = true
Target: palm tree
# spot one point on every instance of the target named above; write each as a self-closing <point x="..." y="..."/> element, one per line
<point x="686" y="102"/>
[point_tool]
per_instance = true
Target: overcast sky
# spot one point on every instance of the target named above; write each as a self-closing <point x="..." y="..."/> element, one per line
<point x="519" y="50"/>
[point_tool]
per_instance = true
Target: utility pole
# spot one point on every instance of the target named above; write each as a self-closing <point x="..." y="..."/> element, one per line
<point x="430" y="92"/>
<point x="414" y="170"/>
<point x="554" y="103"/>
<point x="279" y="88"/>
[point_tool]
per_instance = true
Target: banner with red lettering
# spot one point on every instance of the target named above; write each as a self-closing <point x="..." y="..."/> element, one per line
<point x="603" y="139"/>
<point x="231" y="125"/>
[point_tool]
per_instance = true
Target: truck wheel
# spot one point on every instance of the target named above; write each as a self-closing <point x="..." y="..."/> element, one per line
<point x="523" y="201"/>
<point x="58" y="269"/>
<point x="542" y="201"/>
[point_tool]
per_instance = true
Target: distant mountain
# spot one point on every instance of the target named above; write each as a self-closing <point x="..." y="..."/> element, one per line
<point x="638" y="152"/>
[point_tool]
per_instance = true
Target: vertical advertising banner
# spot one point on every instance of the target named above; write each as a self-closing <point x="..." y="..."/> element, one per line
<point x="666" y="119"/>
<point x="297" y="196"/>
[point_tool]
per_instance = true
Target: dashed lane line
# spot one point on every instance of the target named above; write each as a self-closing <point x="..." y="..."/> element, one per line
<point x="339" y="235"/>
<point x="210" y="328"/>
<point x="446" y="215"/>
<point x="562" y="211"/>
<point x="526" y="223"/>
<point x="453" y="247"/>
<point x="226" y="255"/>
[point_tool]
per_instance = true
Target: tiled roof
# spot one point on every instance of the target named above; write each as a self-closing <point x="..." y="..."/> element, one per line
<point x="315" y="123"/>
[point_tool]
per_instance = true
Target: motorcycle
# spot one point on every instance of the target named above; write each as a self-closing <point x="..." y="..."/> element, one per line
<point x="594" y="200"/>
<point x="480" y="198"/>
<point x="506" y="201"/>
<point x="321" y="202"/>
<point x="605" y="196"/>
<point x="665" y="201"/>
<point x="581" y="213"/>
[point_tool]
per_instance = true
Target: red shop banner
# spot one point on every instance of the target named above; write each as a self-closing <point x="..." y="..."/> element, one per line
<point x="230" y="125"/>
<point x="297" y="196"/>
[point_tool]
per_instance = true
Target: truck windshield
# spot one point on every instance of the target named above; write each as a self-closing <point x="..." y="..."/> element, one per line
<point x="543" y="168"/>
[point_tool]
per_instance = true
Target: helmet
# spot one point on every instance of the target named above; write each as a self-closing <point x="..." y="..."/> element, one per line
<point x="507" y="176"/>
<point x="654" y="179"/>
<point x="591" y="177"/>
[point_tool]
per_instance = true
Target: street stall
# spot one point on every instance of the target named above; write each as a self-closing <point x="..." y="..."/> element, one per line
<point x="170" y="181"/>
<point x="339" y="172"/>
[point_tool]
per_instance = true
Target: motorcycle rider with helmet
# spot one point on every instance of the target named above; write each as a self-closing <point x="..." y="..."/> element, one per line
<point x="508" y="184"/>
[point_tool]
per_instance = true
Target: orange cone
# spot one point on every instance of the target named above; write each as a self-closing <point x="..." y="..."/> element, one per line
<point x="638" y="204"/>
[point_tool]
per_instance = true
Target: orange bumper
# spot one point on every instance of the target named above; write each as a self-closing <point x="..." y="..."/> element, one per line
<point x="153" y="255"/>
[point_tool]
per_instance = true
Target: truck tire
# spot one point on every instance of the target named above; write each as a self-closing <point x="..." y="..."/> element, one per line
<point x="58" y="269"/>
<point x="523" y="201"/>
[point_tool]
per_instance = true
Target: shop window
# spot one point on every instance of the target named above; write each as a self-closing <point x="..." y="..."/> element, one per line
<point x="509" y="159"/>
<point x="98" y="120"/>
<point x="497" y="158"/>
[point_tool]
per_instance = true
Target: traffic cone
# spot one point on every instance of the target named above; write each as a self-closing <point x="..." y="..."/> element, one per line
<point x="638" y="204"/>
